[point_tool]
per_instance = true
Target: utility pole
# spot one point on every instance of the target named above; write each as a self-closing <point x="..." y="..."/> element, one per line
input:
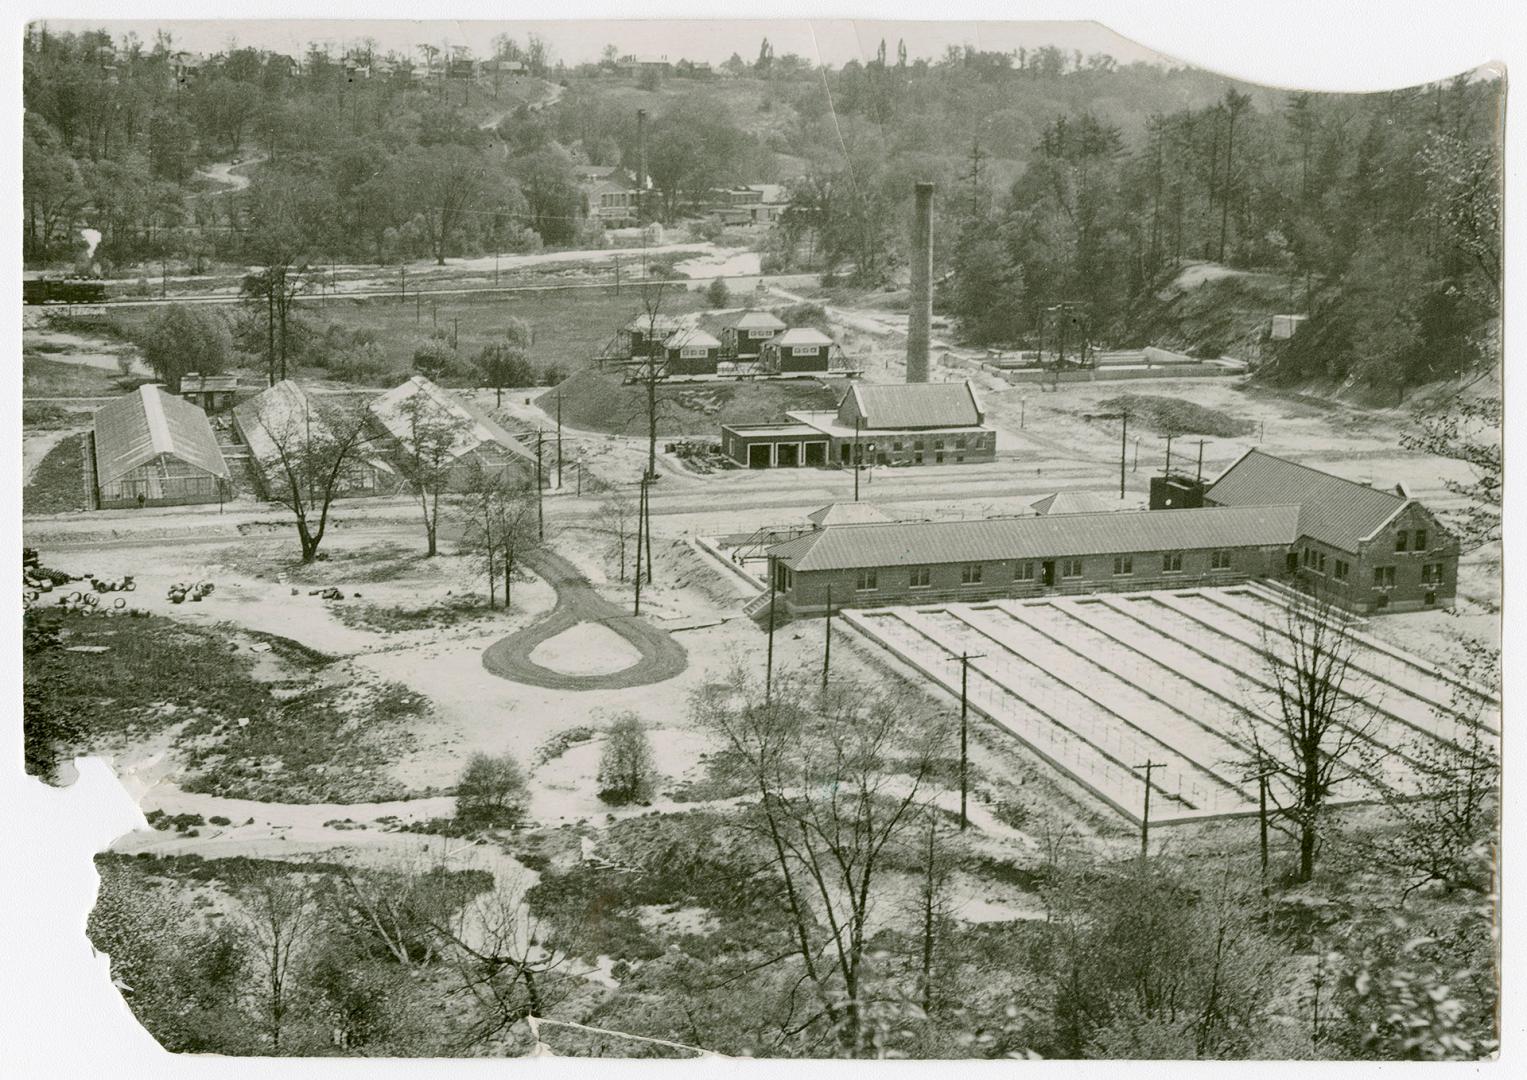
<point x="641" y="507"/>
<point x="974" y="176"/>
<point x="1023" y="410"/>
<point x="1168" y="470"/>
<point x="1123" y="448"/>
<point x="1145" y="818"/>
<point x="827" y="640"/>
<point x="1200" y="477"/>
<point x="540" y="508"/>
<point x="858" y="423"/>
<point x="647" y="532"/>
<point x="769" y="657"/>
<point x="617" y="275"/>
<point x="1261" y="777"/>
<point x="559" y="440"/>
<point x="495" y="266"/>
<point x="402" y="284"/>
<point x="964" y="661"/>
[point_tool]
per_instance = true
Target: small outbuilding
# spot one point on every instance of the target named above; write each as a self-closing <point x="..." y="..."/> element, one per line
<point x="691" y="351"/>
<point x="151" y="448"/>
<point x="801" y="349"/>
<point x="210" y="393"/>
<point x="743" y="340"/>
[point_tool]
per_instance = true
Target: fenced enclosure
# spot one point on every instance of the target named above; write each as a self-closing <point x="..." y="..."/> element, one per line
<point x="1098" y="685"/>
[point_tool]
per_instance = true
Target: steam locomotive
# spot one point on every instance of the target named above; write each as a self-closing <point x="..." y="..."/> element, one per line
<point x="62" y="290"/>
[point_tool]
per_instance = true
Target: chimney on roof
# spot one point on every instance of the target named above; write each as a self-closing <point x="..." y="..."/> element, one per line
<point x="920" y="310"/>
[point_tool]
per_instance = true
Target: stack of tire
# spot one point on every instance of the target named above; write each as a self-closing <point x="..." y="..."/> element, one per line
<point x="180" y="592"/>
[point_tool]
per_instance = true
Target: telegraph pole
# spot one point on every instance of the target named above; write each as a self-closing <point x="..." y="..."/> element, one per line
<point x="559" y="440"/>
<point x="769" y="660"/>
<point x="641" y="507"/>
<point x="1200" y="477"/>
<point x="1123" y="449"/>
<point x="858" y="423"/>
<point x="540" y="508"/>
<point x="1168" y="470"/>
<point x="964" y="660"/>
<point x="827" y="639"/>
<point x="647" y="531"/>
<point x="1145" y="818"/>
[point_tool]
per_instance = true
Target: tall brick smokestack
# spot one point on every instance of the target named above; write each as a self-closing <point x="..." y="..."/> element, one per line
<point x="920" y="310"/>
<point x="641" y="160"/>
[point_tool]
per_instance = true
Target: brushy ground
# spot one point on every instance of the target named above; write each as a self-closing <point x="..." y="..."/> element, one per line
<point x="601" y="401"/>
<point x="57" y="485"/>
<point x="285" y="725"/>
<point x="1175" y="416"/>
<point x="50" y="416"/>
<point x="41" y="377"/>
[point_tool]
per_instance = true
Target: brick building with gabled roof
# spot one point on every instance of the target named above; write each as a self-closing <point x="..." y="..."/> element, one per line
<point x="1365" y="548"/>
<point x="1368" y="548"/>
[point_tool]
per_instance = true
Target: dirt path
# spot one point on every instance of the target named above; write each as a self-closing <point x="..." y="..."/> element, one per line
<point x="662" y="657"/>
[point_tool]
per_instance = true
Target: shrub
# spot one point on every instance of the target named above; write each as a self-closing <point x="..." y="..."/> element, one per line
<point x="717" y="294"/>
<point x="491" y="792"/>
<point x="626" y="772"/>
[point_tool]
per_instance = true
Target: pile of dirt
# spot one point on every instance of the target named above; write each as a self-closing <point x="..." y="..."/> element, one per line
<point x="601" y="401"/>
<point x="1175" y="416"/>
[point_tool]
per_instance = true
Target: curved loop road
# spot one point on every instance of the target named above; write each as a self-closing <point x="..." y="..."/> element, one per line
<point x="577" y="601"/>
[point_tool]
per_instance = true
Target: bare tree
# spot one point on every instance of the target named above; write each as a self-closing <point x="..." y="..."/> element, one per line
<point x="499" y="526"/>
<point x="1442" y="815"/>
<point x="619" y="513"/>
<point x="1306" y="736"/>
<point x="429" y="449"/>
<point x="311" y="461"/>
<point x="841" y="775"/>
<point x="276" y="921"/>
<point x="500" y="953"/>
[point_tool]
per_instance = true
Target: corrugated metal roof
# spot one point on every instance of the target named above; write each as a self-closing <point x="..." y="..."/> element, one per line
<point x="473" y="427"/>
<point x="849" y="547"/>
<point x="137" y="428"/>
<point x="192" y="383"/>
<point x="662" y="324"/>
<point x="913" y="405"/>
<point x="1336" y="511"/>
<point x="284" y="407"/>
<point x="848" y="514"/>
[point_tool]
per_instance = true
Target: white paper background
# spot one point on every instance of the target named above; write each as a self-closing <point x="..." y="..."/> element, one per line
<point x="59" y="1015"/>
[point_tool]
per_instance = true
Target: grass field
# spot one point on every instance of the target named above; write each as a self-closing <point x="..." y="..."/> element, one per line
<point x="600" y="401"/>
<point x="41" y="377"/>
<point x="570" y="326"/>
<point x="58" y="485"/>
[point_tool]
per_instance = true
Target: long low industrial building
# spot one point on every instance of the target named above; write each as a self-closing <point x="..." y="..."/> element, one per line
<point x="151" y="448"/>
<point x="1366" y="549"/>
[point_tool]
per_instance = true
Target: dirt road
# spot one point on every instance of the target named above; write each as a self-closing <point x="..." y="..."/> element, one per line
<point x="662" y="657"/>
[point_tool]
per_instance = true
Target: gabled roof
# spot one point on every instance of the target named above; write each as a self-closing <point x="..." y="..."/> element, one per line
<point x="914" y="405"/>
<point x="1336" y="511"/>
<point x="847" y="514"/>
<point x="1069" y="502"/>
<point x="690" y="337"/>
<point x="192" y="383"/>
<point x="850" y="547"/>
<point x="800" y="335"/>
<point x="473" y="428"/>
<point x="663" y="324"/>
<point x="288" y="408"/>
<point x="139" y="427"/>
<point x="753" y="319"/>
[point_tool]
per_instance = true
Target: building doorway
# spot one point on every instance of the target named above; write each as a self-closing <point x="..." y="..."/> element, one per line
<point x="788" y="455"/>
<point x="1292" y="562"/>
<point x="1049" y="573"/>
<point x="758" y="456"/>
<point x="816" y="453"/>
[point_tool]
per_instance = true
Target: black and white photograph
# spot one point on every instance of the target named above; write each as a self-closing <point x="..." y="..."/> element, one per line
<point x="762" y="538"/>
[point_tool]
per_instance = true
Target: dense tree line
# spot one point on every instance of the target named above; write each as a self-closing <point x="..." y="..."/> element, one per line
<point x="1379" y="213"/>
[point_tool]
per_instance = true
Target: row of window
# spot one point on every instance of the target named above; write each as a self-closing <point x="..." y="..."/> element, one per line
<point x="1431" y="574"/>
<point x="921" y="577"/>
<point x="1404" y="542"/>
